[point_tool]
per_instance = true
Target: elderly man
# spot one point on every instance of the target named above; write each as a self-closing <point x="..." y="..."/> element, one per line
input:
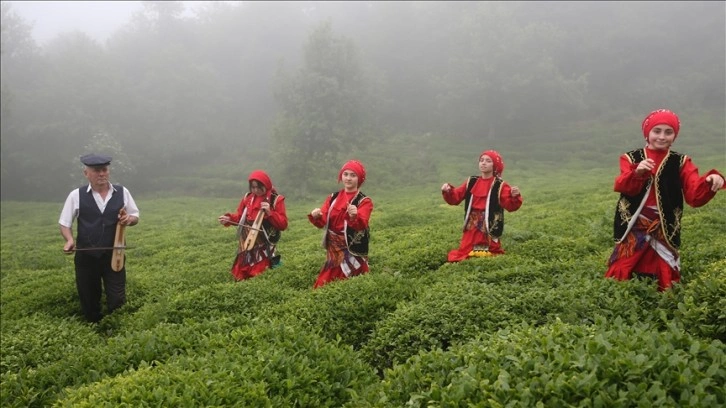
<point x="98" y="207"/>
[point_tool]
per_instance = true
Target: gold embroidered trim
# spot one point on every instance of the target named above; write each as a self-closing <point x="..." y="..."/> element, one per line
<point x="623" y="212"/>
<point x="676" y="226"/>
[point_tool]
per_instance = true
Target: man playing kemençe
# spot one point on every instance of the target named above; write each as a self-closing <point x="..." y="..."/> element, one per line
<point x="97" y="207"/>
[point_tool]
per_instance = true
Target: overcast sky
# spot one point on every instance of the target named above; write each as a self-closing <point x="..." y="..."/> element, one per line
<point x="97" y="18"/>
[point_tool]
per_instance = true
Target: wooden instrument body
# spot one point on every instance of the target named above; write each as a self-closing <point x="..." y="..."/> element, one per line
<point x="119" y="246"/>
<point x="252" y="232"/>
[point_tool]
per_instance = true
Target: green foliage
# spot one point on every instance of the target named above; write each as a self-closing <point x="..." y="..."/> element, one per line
<point x="325" y="110"/>
<point x="182" y="95"/>
<point x="243" y="300"/>
<point x="538" y="324"/>
<point x="267" y="365"/>
<point x="96" y="359"/>
<point x="407" y="159"/>
<point x="347" y="311"/>
<point x="34" y="289"/>
<point x="607" y="364"/>
<point x="444" y="315"/>
<point x="39" y="339"/>
<point x="703" y="304"/>
<point x="452" y="312"/>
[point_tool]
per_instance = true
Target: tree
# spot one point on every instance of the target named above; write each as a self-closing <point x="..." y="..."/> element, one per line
<point x="102" y="142"/>
<point x="326" y="110"/>
<point x="503" y="71"/>
<point x="169" y="98"/>
<point x="18" y="70"/>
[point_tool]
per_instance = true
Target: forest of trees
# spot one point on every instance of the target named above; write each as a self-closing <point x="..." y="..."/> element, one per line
<point x="295" y="86"/>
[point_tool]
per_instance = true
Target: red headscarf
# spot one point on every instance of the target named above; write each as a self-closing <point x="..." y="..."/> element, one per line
<point x="263" y="178"/>
<point x="497" y="159"/>
<point x="356" y="167"/>
<point x="660" y="117"/>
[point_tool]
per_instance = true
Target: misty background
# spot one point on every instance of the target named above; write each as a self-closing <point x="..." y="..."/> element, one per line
<point x="189" y="100"/>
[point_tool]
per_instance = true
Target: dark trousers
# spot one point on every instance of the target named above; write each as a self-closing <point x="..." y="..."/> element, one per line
<point x="91" y="272"/>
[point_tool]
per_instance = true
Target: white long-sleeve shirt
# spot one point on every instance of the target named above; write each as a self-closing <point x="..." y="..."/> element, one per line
<point x="72" y="204"/>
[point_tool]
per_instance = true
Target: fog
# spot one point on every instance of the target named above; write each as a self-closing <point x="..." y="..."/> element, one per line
<point x="98" y="19"/>
<point x="190" y="96"/>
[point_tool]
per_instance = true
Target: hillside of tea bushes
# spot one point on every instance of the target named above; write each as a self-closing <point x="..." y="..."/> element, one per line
<point x="539" y="326"/>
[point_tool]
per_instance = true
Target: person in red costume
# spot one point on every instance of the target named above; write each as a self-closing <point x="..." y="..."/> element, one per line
<point x="262" y="196"/>
<point x="344" y="215"/>
<point x="486" y="197"/>
<point x="653" y="183"/>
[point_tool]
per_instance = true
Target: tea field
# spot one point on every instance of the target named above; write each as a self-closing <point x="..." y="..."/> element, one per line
<point x="538" y="326"/>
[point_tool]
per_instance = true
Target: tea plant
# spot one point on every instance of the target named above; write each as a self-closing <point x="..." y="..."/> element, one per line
<point x="536" y="326"/>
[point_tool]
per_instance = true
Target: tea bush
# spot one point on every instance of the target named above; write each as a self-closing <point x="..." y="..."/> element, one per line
<point x="536" y="326"/>
<point x="266" y="365"/>
<point x="447" y="313"/>
<point x="703" y="306"/>
<point x="608" y="364"/>
<point x="347" y="310"/>
<point x="32" y="290"/>
<point x="34" y="341"/>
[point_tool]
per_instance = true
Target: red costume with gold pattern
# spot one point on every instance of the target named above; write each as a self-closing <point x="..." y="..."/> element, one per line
<point x="346" y="238"/>
<point x="486" y="199"/>
<point x="248" y="264"/>
<point x="648" y="215"/>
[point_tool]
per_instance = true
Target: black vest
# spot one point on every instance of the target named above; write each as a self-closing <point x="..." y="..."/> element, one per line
<point x="496" y="212"/>
<point x="668" y="195"/>
<point x="357" y="239"/>
<point x="96" y="229"/>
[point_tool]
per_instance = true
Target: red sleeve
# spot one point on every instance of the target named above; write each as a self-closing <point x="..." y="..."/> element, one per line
<point x="278" y="215"/>
<point x="365" y="208"/>
<point x="236" y="216"/>
<point x="506" y="200"/>
<point x="696" y="191"/>
<point x="628" y="182"/>
<point x="456" y="195"/>
<point x="320" y="222"/>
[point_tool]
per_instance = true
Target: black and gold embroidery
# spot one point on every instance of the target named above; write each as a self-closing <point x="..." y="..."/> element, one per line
<point x="668" y="195"/>
<point x="624" y="211"/>
<point x="496" y="212"/>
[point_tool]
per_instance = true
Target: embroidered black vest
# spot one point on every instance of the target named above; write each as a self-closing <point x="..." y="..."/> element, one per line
<point x="273" y="234"/>
<point x="96" y="229"/>
<point x="496" y="212"/>
<point x="357" y="239"/>
<point x="668" y="195"/>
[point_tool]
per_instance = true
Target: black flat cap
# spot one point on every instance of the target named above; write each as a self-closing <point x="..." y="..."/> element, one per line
<point x="95" y="160"/>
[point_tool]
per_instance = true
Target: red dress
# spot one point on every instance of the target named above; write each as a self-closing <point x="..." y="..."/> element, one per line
<point x="340" y="262"/>
<point x="248" y="264"/>
<point x="644" y="249"/>
<point x="475" y="230"/>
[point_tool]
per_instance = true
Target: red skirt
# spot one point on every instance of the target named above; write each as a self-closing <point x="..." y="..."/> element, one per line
<point x="635" y="255"/>
<point x="474" y="239"/>
<point x="249" y="264"/>
<point x="339" y="261"/>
